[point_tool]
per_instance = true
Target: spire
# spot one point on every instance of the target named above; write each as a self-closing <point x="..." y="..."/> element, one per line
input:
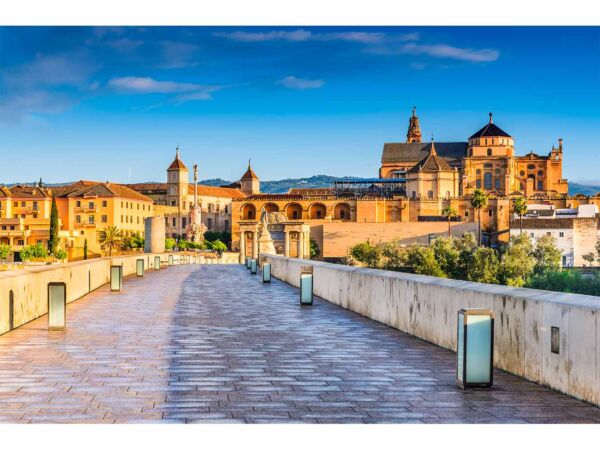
<point x="491" y="120"/>
<point x="177" y="152"/>
<point x="414" y="131"/>
<point x="432" y="150"/>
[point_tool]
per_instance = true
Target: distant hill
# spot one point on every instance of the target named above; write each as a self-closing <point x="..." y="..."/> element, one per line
<point x="283" y="186"/>
<point x="575" y="188"/>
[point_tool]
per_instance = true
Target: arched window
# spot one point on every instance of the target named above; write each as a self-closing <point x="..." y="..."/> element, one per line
<point x="317" y="211"/>
<point x="489" y="150"/>
<point x="248" y="212"/>
<point x="271" y="207"/>
<point x="478" y="171"/>
<point x="478" y="183"/>
<point x="341" y="211"/>
<point x="530" y="167"/>
<point x="430" y="194"/>
<point x="293" y="211"/>
<point x="487" y="180"/>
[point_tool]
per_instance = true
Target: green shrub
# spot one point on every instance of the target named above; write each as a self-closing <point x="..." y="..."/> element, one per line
<point x="568" y="280"/>
<point x="5" y="251"/>
<point x="60" y="254"/>
<point x="30" y="252"/>
<point x="170" y="243"/>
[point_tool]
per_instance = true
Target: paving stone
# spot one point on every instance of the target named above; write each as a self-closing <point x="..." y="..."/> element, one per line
<point x="209" y="344"/>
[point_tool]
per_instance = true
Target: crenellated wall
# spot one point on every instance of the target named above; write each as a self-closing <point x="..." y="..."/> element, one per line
<point x="427" y="307"/>
<point x="29" y="284"/>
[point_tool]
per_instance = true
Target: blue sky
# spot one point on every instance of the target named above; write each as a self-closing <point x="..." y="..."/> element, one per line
<point x="112" y="103"/>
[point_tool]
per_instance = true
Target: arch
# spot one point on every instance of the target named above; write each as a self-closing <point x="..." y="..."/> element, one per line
<point x="317" y="211"/>
<point x="5" y="240"/>
<point x="341" y="211"/>
<point x="489" y="150"/>
<point x="248" y="211"/>
<point x="293" y="211"/>
<point x="11" y="310"/>
<point x="271" y="207"/>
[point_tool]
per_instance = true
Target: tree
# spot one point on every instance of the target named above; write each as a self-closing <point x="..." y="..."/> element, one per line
<point x="110" y="238"/>
<point x="85" y="249"/>
<point x="478" y="202"/>
<point x="315" y="251"/>
<point x="60" y="254"/>
<point x="53" y="239"/>
<point x="219" y="246"/>
<point x="449" y="213"/>
<point x="30" y="252"/>
<point x="518" y="262"/>
<point x="422" y="260"/>
<point x="447" y="255"/>
<point x="366" y="253"/>
<point x="598" y="251"/>
<point x="589" y="258"/>
<point x="547" y="255"/>
<point x="5" y="251"/>
<point x="170" y="243"/>
<point x="520" y="207"/>
<point x="484" y="267"/>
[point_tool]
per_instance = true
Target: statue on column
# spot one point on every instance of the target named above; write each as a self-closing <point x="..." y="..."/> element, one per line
<point x="195" y="229"/>
<point x="265" y="241"/>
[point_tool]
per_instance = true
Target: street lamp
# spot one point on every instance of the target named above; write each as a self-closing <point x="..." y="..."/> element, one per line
<point x="170" y="260"/>
<point x="116" y="278"/>
<point x="248" y="260"/>
<point x="475" y="348"/>
<point x="57" y="306"/>
<point x="157" y="262"/>
<point x="306" y="286"/>
<point x="253" y="266"/>
<point x="266" y="272"/>
<point x="139" y="267"/>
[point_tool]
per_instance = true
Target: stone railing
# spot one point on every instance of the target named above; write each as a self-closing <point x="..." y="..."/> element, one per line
<point x="427" y="307"/>
<point x="29" y="285"/>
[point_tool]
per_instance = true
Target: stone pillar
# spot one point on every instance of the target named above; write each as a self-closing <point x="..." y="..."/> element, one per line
<point x="300" y="245"/>
<point x="242" y="245"/>
<point x="254" y="244"/>
<point x="286" y="244"/>
<point x="154" y="234"/>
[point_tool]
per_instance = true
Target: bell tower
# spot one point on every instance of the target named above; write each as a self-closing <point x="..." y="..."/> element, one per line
<point x="414" y="130"/>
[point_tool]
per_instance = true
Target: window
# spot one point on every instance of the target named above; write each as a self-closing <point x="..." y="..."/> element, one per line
<point x="487" y="180"/>
<point x="121" y="218"/>
<point x="478" y="183"/>
<point x="561" y="234"/>
<point x="173" y="203"/>
<point x="35" y="216"/>
<point x="78" y="219"/>
<point x="490" y="212"/>
<point x="15" y="204"/>
<point x="91" y="219"/>
<point x="20" y="242"/>
<point x="530" y="167"/>
<point x="23" y="204"/>
<point x="564" y="261"/>
<point x="78" y="203"/>
<point x="183" y="222"/>
<point x="540" y="185"/>
<point x="496" y="183"/>
<point x="466" y="213"/>
<point x="91" y="205"/>
<point x="210" y="207"/>
<point x="227" y="225"/>
<point x="540" y="173"/>
<point x="218" y="206"/>
<point x="522" y="173"/>
<point x="414" y="195"/>
<point x="489" y="150"/>
<point x="430" y="194"/>
<point x="532" y="235"/>
<point x="488" y="165"/>
<point x="319" y="214"/>
<point x="104" y="203"/>
<point x="342" y="214"/>
<point x="35" y="206"/>
<point x="548" y="233"/>
<point x="496" y="172"/>
<point x="209" y="223"/>
<point x="104" y="218"/>
<point x="226" y="209"/>
<point x="478" y="171"/>
<point x="174" y="222"/>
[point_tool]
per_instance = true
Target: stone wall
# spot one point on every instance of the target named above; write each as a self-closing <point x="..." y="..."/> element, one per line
<point x="427" y="307"/>
<point x="29" y="284"/>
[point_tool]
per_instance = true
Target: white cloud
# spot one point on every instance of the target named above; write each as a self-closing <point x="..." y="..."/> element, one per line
<point x="178" y="54"/>
<point x="450" y="52"/>
<point x="144" y="85"/>
<point x="301" y="84"/>
<point x="125" y="45"/>
<point x="300" y="35"/>
<point x="18" y="106"/>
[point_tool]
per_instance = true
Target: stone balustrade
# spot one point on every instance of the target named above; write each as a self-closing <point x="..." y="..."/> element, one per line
<point x="427" y="307"/>
<point x="28" y="286"/>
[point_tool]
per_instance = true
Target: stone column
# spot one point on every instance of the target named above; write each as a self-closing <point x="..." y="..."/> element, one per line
<point x="286" y="244"/>
<point x="242" y="246"/>
<point x="300" y="245"/>
<point x="254" y="244"/>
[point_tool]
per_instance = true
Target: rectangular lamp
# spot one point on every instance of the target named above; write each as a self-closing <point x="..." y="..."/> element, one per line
<point x="57" y="306"/>
<point x="266" y="272"/>
<point x="116" y="278"/>
<point x="253" y="266"/>
<point x="139" y="267"/>
<point x="157" y="263"/>
<point x="306" y="286"/>
<point x="170" y="260"/>
<point x="475" y="348"/>
<point x="248" y="262"/>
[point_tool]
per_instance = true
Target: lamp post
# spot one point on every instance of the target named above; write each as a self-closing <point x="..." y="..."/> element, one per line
<point x="475" y="348"/>
<point x="253" y="266"/>
<point x="57" y="306"/>
<point x="306" y="286"/>
<point x="116" y="278"/>
<point x="170" y="260"/>
<point x="139" y="267"/>
<point x="248" y="261"/>
<point x="157" y="262"/>
<point x="266" y="272"/>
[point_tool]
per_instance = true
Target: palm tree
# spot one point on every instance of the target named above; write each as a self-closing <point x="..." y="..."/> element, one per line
<point x="520" y="207"/>
<point x="110" y="238"/>
<point x="478" y="202"/>
<point x="449" y="212"/>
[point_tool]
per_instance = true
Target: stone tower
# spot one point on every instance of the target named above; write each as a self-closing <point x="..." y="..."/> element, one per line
<point x="250" y="183"/>
<point x="177" y="189"/>
<point x="414" y="131"/>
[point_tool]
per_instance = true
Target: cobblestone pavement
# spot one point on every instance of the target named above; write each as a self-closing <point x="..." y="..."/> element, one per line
<point x="213" y="344"/>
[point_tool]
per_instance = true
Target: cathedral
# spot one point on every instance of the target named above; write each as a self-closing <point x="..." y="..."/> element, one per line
<point x="486" y="161"/>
